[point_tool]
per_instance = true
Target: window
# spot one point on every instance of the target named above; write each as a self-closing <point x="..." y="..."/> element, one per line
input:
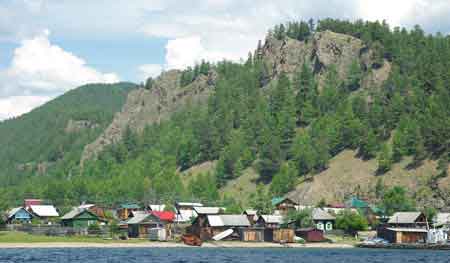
<point x="329" y="226"/>
<point x="320" y="226"/>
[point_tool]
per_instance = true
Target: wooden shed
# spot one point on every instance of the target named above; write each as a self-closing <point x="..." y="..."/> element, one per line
<point x="283" y="235"/>
<point x="253" y="234"/>
<point x="310" y="234"/>
<point x="81" y="218"/>
<point x="403" y="235"/>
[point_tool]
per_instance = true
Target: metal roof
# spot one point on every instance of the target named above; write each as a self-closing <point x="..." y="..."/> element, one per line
<point x="13" y="211"/>
<point x="76" y="212"/>
<point x="404" y="218"/>
<point x="185" y="215"/>
<point x="188" y="204"/>
<point x="401" y="229"/>
<point x="320" y="214"/>
<point x="157" y="207"/>
<point x="250" y="212"/>
<point x="44" y="210"/>
<point x="129" y="206"/>
<point x="138" y="218"/>
<point x="204" y="210"/>
<point x="228" y="220"/>
<point x="273" y="219"/>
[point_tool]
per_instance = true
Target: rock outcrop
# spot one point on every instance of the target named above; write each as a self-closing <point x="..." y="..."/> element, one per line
<point x="323" y="49"/>
<point x="145" y="107"/>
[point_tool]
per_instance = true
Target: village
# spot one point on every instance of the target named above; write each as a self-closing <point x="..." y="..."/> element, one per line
<point x="194" y="224"/>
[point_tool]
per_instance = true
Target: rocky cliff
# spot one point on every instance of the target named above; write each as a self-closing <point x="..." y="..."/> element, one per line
<point x="323" y="49"/>
<point x="145" y="107"/>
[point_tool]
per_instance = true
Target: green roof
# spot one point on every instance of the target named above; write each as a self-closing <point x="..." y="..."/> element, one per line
<point x="357" y="203"/>
<point x="130" y="206"/>
<point x="277" y="200"/>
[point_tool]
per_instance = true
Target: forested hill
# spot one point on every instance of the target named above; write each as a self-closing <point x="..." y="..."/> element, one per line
<point x="56" y="132"/>
<point x="310" y="95"/>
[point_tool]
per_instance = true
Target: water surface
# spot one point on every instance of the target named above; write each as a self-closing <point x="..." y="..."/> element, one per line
<point x="213" y="255"/>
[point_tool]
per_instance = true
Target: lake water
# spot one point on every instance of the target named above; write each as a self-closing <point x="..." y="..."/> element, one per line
<point x="212" y="255"/>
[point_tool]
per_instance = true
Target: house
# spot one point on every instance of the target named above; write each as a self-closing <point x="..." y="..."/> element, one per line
<point x="401" y="235"/>
<point x="125" y="210"/>
<point x="156" y="207"/>
<point x="212" y="225"/>
<point x="310" y="234"/>
<point x="99" y="211"/>
<point x="283" y="204"/>
<point x="252" y="215"/>
<point x="270" y="221"/>
<point x="44" y="212"/>
<point x="322" y="219"/>
<point x="140" y="225"/>
<point x="185" y="211"/>
<point x="442" y="220"/>
<point x="81" y="218"/>
<point x="408" y="220"/>
<point x="29" y="202"/>
<point x="19" y="215"/>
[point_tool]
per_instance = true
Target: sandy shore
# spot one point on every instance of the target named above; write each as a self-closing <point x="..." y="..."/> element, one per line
<point x="170" y="245"/>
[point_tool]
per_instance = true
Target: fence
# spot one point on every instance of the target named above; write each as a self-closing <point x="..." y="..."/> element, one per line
<point x="56" y="230"/>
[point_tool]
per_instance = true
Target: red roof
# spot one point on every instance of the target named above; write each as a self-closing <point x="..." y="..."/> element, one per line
<point x="164" y="215"/>
<point x="30" y="202"/>
<point x="338" y="205"/>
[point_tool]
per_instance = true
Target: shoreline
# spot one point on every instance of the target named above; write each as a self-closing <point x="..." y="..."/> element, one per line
<point x="223" y="244"/>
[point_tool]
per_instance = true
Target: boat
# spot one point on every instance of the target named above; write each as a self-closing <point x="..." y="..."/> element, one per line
<point x="191" y="240"/>
<point x="223" y="234"/>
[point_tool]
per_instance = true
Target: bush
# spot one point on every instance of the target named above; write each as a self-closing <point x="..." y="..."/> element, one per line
<point x="94" y="229"/>
<point x="351" y="222"/>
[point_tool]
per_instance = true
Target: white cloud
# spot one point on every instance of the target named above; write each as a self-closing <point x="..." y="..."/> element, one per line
<point x="40" y="70"/>
<point x="17" y="105"/>
<point x="150" y="70"/>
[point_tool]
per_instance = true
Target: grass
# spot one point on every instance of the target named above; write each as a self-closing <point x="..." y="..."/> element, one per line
<point x="22" y="237"/>
<point x="343" y="239"/>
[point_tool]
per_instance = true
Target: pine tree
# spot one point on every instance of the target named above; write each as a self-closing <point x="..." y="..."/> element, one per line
<point x="384" y="159"/>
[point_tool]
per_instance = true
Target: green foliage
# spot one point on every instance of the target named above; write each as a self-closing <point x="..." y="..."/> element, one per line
<point x="301" y="219"/>
<point x="397" y="200"/>
<point x="284" y="180"/>
<point x="204" y="187"/>
<point x="384" y="158"/>
<point x="351" y="222"/>
<point x="261" y="201"/>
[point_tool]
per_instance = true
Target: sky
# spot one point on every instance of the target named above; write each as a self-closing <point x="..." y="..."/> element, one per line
<point x="48" y="47"/>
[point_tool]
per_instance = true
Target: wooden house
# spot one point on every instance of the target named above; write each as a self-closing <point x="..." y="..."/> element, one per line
<point x="310" y="234"/>
<point x="283" y="204"/>
<point x="185" y="212"/>
<point x="211" y="225"/>
<point x="442" y="220"/>
<point x="408" y="220"/>
<point x="323" y="220"/>
<point x="282" y="235"/>
<point x="403" y="235"/>
<point x="18" y="215"/>
<point x="252" y="215"/>
<point x="81" y="218"/>
<point x="126" y="210"/>
<point x="269" y="221"/>
<point x="140" y="224"/>
<point x="44" y="212"/>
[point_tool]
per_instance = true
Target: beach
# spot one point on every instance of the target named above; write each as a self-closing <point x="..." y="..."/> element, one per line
<point x="223" y="244"/>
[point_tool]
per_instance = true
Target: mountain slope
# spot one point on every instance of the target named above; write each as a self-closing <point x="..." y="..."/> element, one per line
<point x="59" y="129"/>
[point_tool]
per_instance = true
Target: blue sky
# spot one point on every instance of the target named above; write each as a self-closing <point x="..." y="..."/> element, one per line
<point x="48" y="47"/>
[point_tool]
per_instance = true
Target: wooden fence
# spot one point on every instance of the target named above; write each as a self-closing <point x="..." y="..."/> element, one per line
<point x="57" y="230"/>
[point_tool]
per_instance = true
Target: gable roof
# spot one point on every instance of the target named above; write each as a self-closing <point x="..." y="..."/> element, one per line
<point x="44" y="210"/>
<point x="204" y="210"/>
<point x="228" y="220"/>
<point x="188" y="204"/>
<point x="404" y="218"/>
<point x="272" y="219"/>
<point x="250" y="212"/>
<point x="185" y="215"/>
<point x="75" y="213"/>
<point x="138" y="218"/>
<point x="320" y="214"/>
<point x="357" y="203"/>
<point x="157" y="207"/>
<point x="14" y="211"/>
<point x="129" y="206"/>
<point x="164" y="215"/>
